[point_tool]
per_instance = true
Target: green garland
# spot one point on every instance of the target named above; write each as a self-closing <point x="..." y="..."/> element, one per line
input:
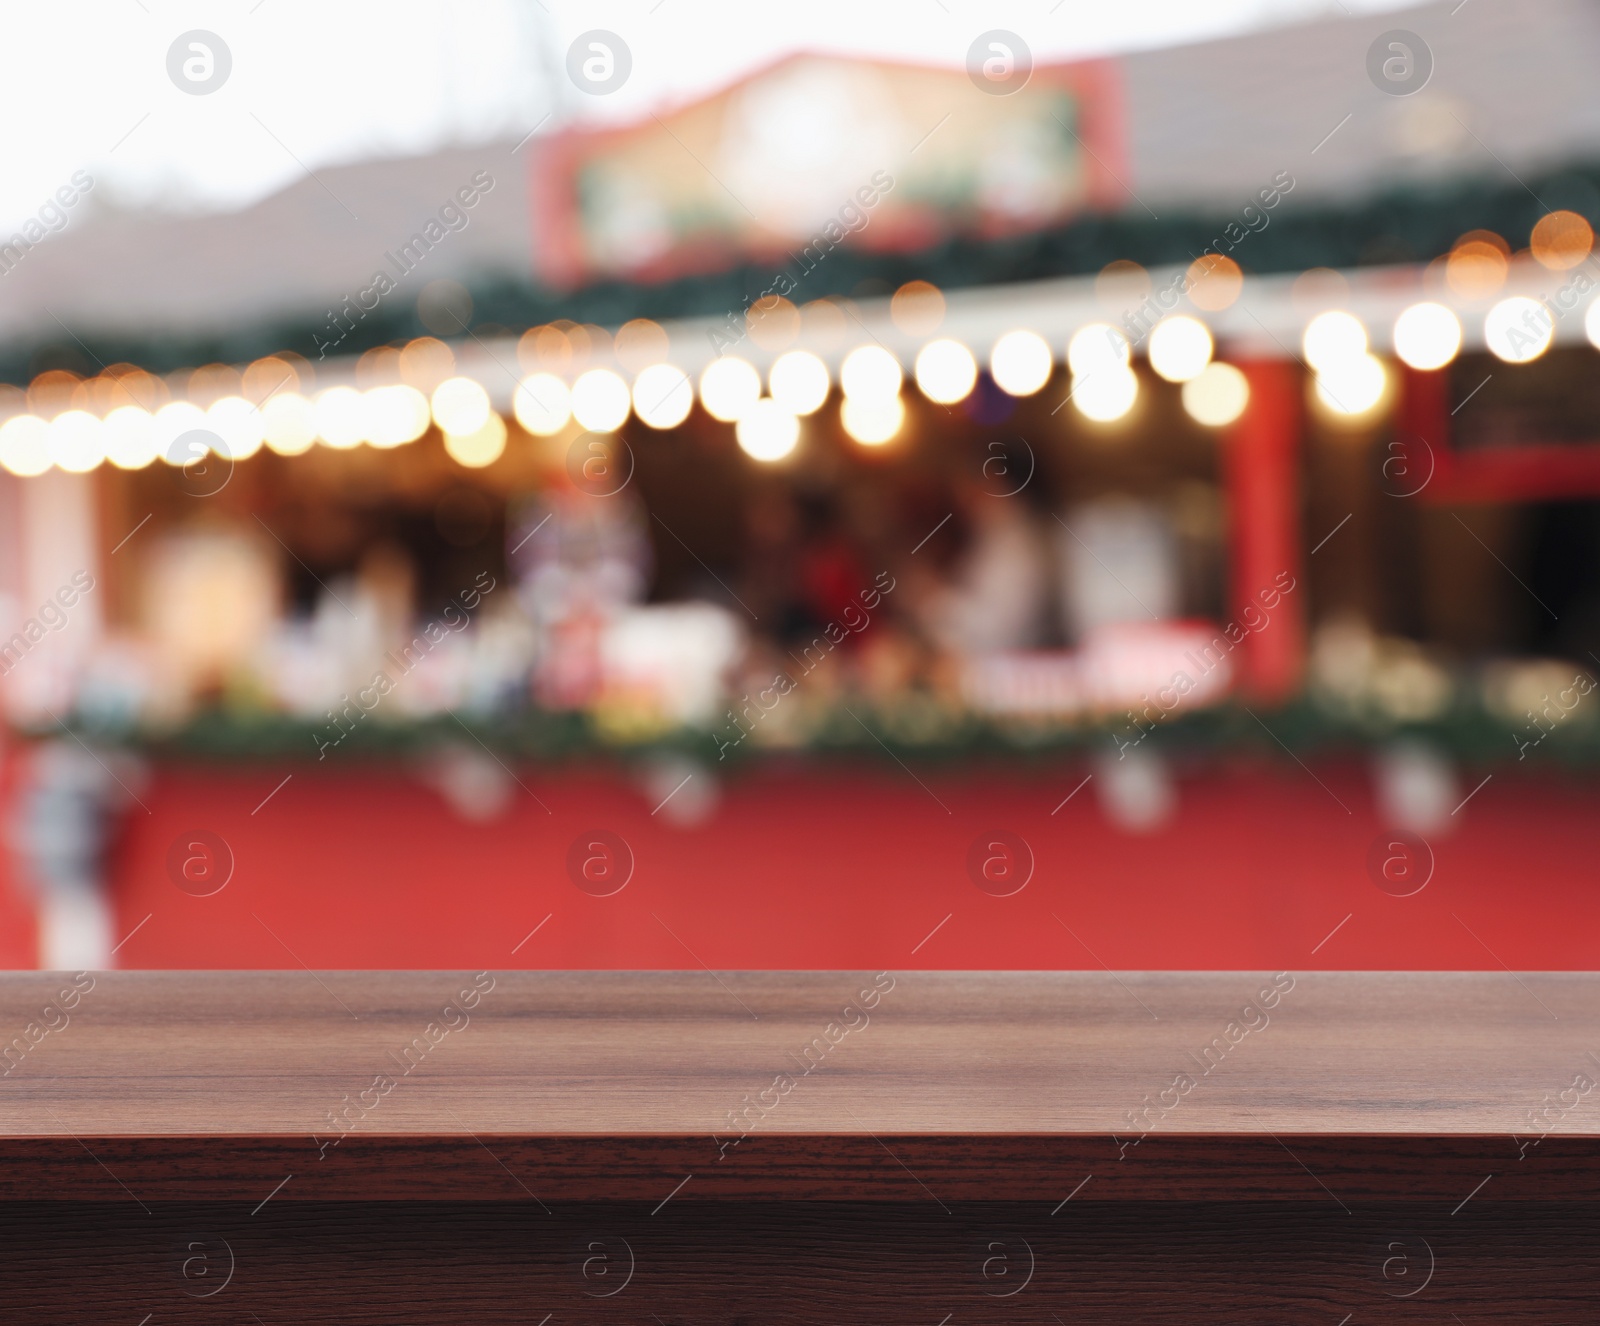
<point x="1405" y="224"/>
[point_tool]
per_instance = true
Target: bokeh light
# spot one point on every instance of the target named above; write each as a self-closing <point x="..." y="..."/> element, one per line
<point x="396" y="415"/>
<point x="1333" y="338"/>
<point x="600" y="400"/>
<point x="481" y="447"/>
<point x="1519" y="329"/>
<point x="130" y="437"/>
<point x="342" y="416"/>
<point x="767" y="431"/>
<point x="1217" y="395"/>
<point x="662" y="396"/>
<point x="1021" y="363"/>
<point x="289" y="422"/>
<point x="25" y="445"/>
<point x="729" y="387"/>
<point x="799" y="382"/>
<point x="76" y="442"/>
<point x="1561" y="240"/>
<point x="946" y="371"/>
<point x="871" y="375"/>
<point x="238" y="423"/>
<point x="1106" y="394"/>
<point x="542" y="404"/>
<point x="1427" y="336"/>
<point x="872" y="423"/>
<point x="1353" y="386"/>
<point x="460" y="406"/>
<point x="1180" y="348"/>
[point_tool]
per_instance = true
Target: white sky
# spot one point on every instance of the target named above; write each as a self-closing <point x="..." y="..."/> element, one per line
<point x="83" y="83"/>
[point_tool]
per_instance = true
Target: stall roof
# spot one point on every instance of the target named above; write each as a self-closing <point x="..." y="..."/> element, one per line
<point x="1510" y="96"/>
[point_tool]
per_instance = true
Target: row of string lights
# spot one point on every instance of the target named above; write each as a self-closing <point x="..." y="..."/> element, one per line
<point x="130" y="419"/>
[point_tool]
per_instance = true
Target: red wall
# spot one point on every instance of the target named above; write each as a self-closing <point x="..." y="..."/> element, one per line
<point x="852" y="866"/>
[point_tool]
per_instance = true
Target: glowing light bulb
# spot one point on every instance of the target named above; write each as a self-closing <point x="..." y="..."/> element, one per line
<point x="542" y="404"/>
<point x="1105" y="394"/>
<point x="872" y="423"/>
<point x="239" y="424"/>
<point x="870" y="375"/>
<point x="1332" y="338"/>
<point x="460" y="406"/>
<point x="342" y="417"/>
<point x="25" y="445"/>
<point x="662" y="396"/>
<point x="946" y="371"/>
<point x="1096" y="347"/>
<point x="1519" y="329"/>
<point x="1217" y="395"/>
<point x="767" y="431"/>
<point x="479" y="448"/>
<point x="77" y="442"/>
<point x="1180" y="348"/>
<point x="799" y="382"/>
<point x="1427" y="336"/>
<point x="1021" y="363"/>
<point x="1352" y="386"/>
<point x="729" y="387"/>
<point x="290" y="423"/>
<point x="396" y="415"/>
<point x="130" y="436"/>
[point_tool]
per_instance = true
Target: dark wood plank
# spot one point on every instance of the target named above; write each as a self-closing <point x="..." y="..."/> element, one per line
<point x="1345" y="1087"/>
<point x="730" y="1263"/>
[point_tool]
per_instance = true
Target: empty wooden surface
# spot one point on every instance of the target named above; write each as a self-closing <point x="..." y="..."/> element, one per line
<point x="581" y="1086"/>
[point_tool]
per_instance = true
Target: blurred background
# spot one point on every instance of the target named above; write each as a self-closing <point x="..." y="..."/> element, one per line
<point x="949" y="485"/>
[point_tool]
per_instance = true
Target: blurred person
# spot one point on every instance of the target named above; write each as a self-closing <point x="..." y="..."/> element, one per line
<point x="770" y="571"/>
<point x="64" y="815"/>
<point x="996" y="594"/>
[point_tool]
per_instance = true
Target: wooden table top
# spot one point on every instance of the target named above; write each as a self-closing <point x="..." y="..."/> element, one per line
<point x="606" y="1083"/>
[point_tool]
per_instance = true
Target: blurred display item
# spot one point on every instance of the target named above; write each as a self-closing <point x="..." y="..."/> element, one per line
<point x="1135" y="790"/>
<point x="666" y="666"/>
<point x="1120" y="564"/>
<point x="1416" y="787"/>
<point x="210" y="599"/>
<point x="797" y="158"/>
<point x="1126" y="671"/>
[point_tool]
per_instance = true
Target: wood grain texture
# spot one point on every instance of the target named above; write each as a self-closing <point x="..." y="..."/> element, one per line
<point x="736" y="1264"/>
<point x="569" y="1086"/>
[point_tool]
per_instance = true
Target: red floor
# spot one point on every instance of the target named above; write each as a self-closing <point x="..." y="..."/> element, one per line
<point x="855" y="867"/>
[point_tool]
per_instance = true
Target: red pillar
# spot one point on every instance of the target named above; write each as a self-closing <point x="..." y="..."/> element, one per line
<point x="1260" y="464"/>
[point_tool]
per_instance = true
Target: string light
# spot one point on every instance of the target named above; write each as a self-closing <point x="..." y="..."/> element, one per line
<point x="1021" y="363"/>
<point x="872" y="423"/>
<point x="946" y="371"/>
<point x="1427" y="336"/>
<point x="1519" y="329"/>
<point x="1333" y="338"/>
<point x="130" y="437"/>
<point x="767" y="431"/>
<point x="460" y="406"/>
<point x="481" y="447"/>
<point x="76" y="441"/>
<point x="662" y="396"/>
<point x="729" y="387"/>
<point x="1180" y="348"/>
<point x="25" y="445"/>
<point x="799" y="382"/>
<point x="870" y="375"/>
<point x="542" y="404"/>
<point x="1217" y="395"/>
